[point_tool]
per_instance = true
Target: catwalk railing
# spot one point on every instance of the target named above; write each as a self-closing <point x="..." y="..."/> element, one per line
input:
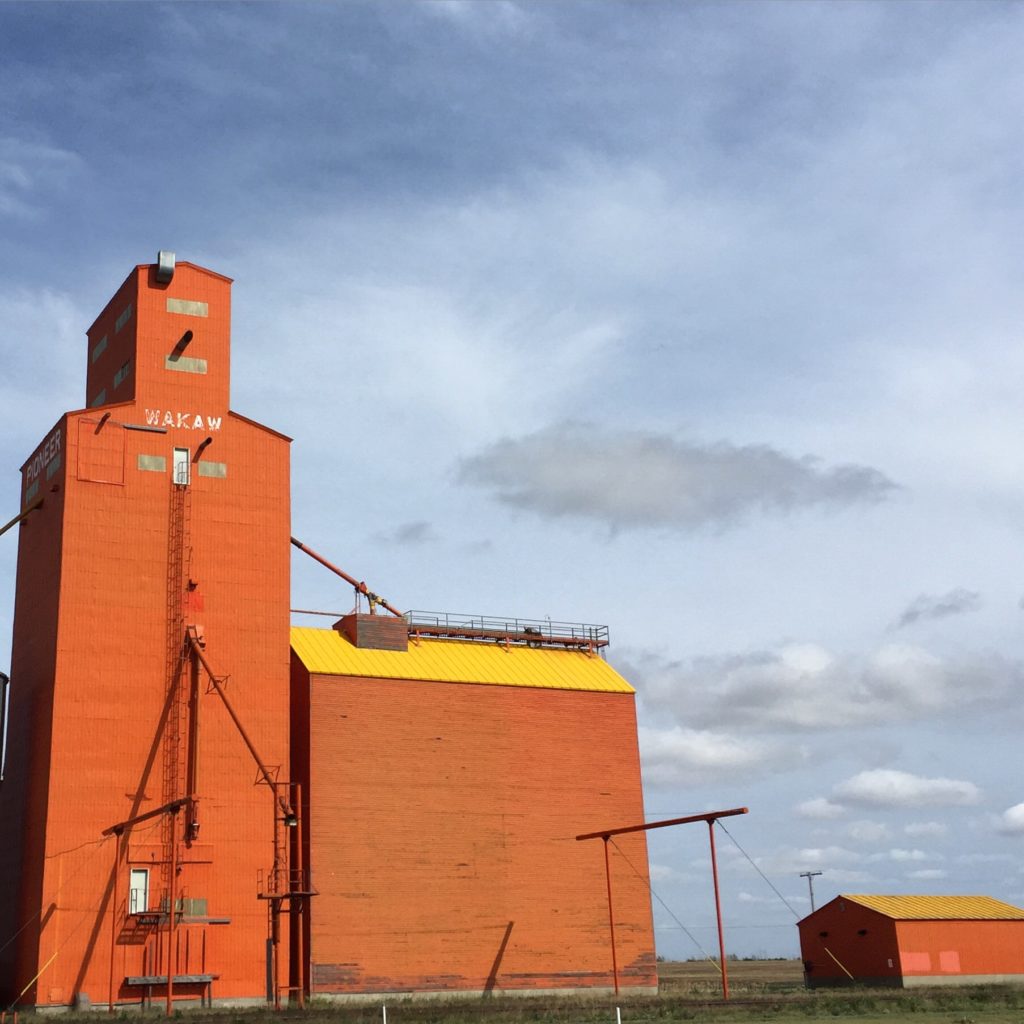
<point x="530" y="632"/>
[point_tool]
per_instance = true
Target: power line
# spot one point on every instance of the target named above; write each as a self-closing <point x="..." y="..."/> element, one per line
<point x="85" y="916"/>
<point x="758" y="870"/>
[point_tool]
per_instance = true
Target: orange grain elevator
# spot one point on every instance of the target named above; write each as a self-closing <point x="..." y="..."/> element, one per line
<point x="163" y="515"/>
<point x="183" y="768"/>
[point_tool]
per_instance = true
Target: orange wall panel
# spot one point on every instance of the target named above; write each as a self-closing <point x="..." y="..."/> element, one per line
<point x="441" y="837"/>
<point x="962" y="947"/>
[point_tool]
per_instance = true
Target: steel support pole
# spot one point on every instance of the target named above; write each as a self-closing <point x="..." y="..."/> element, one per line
<point x="113" y="922"/>
<point x="21" y="515"/>
<point x="275" y="947"/>
<point x="172" y="915"/>
<point x="192" y="817"/>
<point x="268" y="778"/>
<point x="611" y="914"/>
<point x="718" y="912"/>
<point x="275" y="902"/>
<point x="300" y="883"/>
<point x="711" y="817"/>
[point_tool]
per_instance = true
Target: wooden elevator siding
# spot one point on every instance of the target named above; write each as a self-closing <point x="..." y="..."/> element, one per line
<point x="442" y="837"/>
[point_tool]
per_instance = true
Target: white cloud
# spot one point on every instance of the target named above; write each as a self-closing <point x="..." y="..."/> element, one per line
<point x="440" y="362"/>
<point x="750" y="898"/>
<point x="789" y="860"/>
<point x="629" y="479"/>
<point x="44" y="334"/>
<point x="29" y="171"/>
<point x="885" y="787"/>
<point x="985" y="858"/>
<point x="867" y="831"/>
<point x="843" y="876"/>
<point x="1011" y="821"/>
<point x="901" y="856"/>
<point x="926" y="829"/>
<point x="666" y="873"/>
<point x="805" y="686"/>
<point x="819" y="807"/>
<point x="495" y="18"/>
<point x="927" y="874"/>
<point x="678" y="756"/>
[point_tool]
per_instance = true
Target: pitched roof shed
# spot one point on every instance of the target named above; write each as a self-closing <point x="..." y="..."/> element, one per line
<point x="913" y="940"/>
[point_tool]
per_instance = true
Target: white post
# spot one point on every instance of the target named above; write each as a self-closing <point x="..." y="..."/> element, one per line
<point x="384" y="1013"/>
<point x="618" y="1015"/>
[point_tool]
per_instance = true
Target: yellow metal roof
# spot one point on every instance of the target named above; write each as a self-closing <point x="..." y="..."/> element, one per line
<point x="327" y="652"/>
<point x="932" y="908"/>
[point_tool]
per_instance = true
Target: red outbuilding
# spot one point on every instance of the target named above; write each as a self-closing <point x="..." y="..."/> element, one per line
<point x="906" y="941"/>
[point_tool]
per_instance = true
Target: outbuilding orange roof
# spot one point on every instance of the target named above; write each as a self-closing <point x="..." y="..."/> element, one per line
<point x="936" y="908"/>
<point x="327" y="652"/>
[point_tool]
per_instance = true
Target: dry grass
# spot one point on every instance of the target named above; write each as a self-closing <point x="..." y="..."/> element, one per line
<point x="761" y="991"/>
<point x="746" y="977"/>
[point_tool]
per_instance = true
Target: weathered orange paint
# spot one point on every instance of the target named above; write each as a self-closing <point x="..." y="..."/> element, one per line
<point x="877" y="949"/>
<point x="442" y="817"/>
<point x="89" y="662"/>
<point x="441" y="820"/>
<point x="963" y="948"/>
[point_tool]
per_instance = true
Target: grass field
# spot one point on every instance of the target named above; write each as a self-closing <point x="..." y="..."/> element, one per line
<point x="746" y="977"/>
<point x="761" y="991"/>
<point x="773" y="990"/>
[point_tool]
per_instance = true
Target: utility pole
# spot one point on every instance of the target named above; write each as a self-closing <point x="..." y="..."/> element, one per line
<point x="809" y="875"/>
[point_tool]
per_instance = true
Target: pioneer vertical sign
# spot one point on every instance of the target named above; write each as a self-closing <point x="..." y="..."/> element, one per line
<point x="45" y="461"/>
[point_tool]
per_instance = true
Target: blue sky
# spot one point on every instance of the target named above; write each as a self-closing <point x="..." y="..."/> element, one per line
<point x="700" y="320"/>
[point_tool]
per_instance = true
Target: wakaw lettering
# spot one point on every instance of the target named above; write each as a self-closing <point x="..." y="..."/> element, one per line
<point x="182" y="420"/>
<point x="45" y="453"/>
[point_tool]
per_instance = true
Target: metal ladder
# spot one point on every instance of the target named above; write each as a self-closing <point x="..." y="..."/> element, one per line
<point x="179" y="551"/>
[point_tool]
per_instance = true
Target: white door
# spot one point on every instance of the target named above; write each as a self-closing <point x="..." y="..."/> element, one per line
<point x="181" y="466"/>
<point x="138" y="891"/>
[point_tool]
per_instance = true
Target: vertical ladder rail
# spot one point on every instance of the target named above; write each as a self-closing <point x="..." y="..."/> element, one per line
<point x="176" y="727"/>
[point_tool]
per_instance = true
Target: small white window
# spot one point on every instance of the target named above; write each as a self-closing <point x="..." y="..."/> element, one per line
<point x="138" y="891"/>
<point x="182" y="466"/>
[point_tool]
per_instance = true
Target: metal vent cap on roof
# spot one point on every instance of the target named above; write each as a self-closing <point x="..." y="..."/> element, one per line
<point x="164" y="266"/>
